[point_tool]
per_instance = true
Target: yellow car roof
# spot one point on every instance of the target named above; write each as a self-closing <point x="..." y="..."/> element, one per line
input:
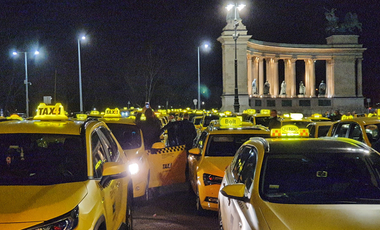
<point x="37" y="126"/>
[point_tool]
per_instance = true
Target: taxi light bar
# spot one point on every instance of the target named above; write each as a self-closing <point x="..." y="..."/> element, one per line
<point x="289" y="131"/>
<point x="50" y="112"/>
<point x="112" y="113"/>
<point x="230" y="122"/>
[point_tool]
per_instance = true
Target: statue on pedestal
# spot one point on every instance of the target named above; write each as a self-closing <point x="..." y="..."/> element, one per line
<point x="302" y="89"/>
<point x="266" y="88"/>
<point x="254" y="87"/>
<point x="322" y="89"/>
<point x="283" y="88"/>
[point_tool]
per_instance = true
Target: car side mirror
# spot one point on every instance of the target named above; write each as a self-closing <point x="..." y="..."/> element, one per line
<point x="235" y="191"/>
<point x="158" y="145"/>
<point x="195" y="151"/>
<point x="112" y="171"/>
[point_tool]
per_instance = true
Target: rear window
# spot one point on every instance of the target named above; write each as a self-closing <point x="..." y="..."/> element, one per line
<point x="227" y="145"/>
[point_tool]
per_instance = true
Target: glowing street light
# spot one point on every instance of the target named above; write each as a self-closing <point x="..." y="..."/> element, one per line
<point x="205" y="46"/>
<point x="80" y="74"/>
<point x="235" y="36"/>
<point x="26" y="82"/>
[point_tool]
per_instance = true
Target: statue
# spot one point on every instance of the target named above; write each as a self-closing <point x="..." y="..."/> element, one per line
<point x="266" y="88"/>
<point x="283" y="88"/>
<point x="350" y="24"/>
<point x="322" y="88"/>
<point x="254" y="87"/>
<point x="302" y="89"/>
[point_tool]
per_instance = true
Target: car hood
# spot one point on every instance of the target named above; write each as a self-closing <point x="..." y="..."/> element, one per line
<point x="215" y="165"/>
<point x="310" y="216"/>
<point x="22" y="204"/>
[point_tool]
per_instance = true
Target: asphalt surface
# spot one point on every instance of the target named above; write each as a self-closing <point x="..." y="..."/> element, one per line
<point x="173" y="207"/>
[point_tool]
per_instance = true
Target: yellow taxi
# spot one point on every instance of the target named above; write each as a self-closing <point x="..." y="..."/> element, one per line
<point x="296" y="119"/>
<point x="197" y="121"/>
<point x="301" y="183"/>
<point x="261" y="118"/>
<point x="130" y="138"/>
<point x="58" y="173"/>
<point x="318" y="117"/>
<point x="364" y="129"/>
<point x="213" y="151"/>
<point x="319" y="128"/>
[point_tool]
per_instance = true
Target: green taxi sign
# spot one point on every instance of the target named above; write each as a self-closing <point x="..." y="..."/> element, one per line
<point x="232" y="122"/>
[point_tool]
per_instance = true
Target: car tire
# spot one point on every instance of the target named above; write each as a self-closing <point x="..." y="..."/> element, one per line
<point x="129" y="211"/>
<point x="220" y="220"/>
<point x="200" y="210"/>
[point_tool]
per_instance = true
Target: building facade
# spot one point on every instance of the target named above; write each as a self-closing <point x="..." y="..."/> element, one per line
<point x="267" y="79"/>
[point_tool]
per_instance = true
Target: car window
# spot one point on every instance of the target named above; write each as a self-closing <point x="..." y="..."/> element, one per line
<point x="341" y="130"/>
<point x="41" y="159"/>
<point x="244" y="166"/>
<point x="201" y="140"/>
<point x="128" y="136"/>
<point x="226" y="145"/>
<point x="323" y="130"/>
<point x="311" y="130"/>
<point x="99" y="156"/>
<point x="110" y="144"/>
<point x="356" y="132"/>
<point x="321" y="177"/>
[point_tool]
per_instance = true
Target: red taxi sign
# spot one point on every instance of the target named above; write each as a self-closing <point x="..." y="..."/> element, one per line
<point x="289" y="131"/>
<point x="50" y="112"/>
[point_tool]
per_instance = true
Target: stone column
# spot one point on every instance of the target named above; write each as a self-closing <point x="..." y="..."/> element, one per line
<point x="249" y="72"/>
<point x="330" y="78"/>
<point x="310" y="77"/>
<point x="260" y="62"/>
<point x="359" y="77"/>
<point x="275" y="76"/>
<point x="290" y="77"/>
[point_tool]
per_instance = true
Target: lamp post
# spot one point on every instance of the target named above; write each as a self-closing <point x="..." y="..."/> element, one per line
<point x="199" y="75"/>
<point x="235" y="36"/>
<point x="26" y="82"/>
<point x="80" y="75"/>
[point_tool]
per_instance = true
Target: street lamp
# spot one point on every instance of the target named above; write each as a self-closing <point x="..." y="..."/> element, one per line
<point x="80" y="74"/>
<point x="205" y="46"/>
<point x="26" y="82"/>
<point x="235" y="36"/>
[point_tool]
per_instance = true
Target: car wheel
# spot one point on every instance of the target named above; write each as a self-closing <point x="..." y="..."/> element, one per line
<point x="147" y="194"/>
<point x="129" y="211"/>
<point x="200" y="210"/>
<point x="220" y="220"/>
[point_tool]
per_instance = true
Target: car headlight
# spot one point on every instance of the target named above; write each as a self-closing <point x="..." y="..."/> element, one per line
<point x="133" y="168"/>
<point x="65" y="222"/>
<point x="209" y="179"/>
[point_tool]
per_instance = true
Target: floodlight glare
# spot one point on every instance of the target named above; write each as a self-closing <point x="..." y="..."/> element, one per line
<point x="229" y="7"/>
<point x="240" y="7"/>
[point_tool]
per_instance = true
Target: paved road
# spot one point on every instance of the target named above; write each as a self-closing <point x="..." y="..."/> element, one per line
<point x="173" y="208"/>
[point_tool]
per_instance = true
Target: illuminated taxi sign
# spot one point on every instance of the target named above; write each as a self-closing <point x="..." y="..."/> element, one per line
<point x="81" y="116"/>
<point x="50" y="112"/>
<point x="112" y="113"/>
<point x="265" y="111"/>
<point x="228" y="113"/>
<point x="289" y="131"/>
<point x="346" y="117"/>
<point x="296" y="116"/>
<point x="94" y="113"/>
<point x="14" y="117"/>
<point x="230" y="122"/>
<point x="316" y="115"/>
<point x="251" y="111"/>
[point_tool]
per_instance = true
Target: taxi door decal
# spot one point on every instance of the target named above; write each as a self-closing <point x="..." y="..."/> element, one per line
<point x="167" y="166"/>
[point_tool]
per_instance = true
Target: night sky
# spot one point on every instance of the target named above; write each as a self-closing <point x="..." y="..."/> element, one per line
<point x="125" y="37"/>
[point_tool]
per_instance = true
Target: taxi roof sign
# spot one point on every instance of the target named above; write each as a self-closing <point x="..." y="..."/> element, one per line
<point x="50" y="112"/>
<point x="231" y="122"/>
<point x="265" y="111"/>
<point x="112" y="113"/>
<point x="81" y="116"/>
<point x="289" y="131"/>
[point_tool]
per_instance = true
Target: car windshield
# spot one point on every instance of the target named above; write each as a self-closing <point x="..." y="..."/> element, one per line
<point x="41" y="159"/>
<point x="262" y="121"/>
<point x="208" y="119"/>
<point x="321" y="178"/>
<point x="226" y="145"/>
<point x="128" y="136"/>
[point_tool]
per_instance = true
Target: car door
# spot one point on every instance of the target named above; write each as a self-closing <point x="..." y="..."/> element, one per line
<point x="103" y="151"/>
<point x="242" y="171"/>
<point x="118" y="187"/>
